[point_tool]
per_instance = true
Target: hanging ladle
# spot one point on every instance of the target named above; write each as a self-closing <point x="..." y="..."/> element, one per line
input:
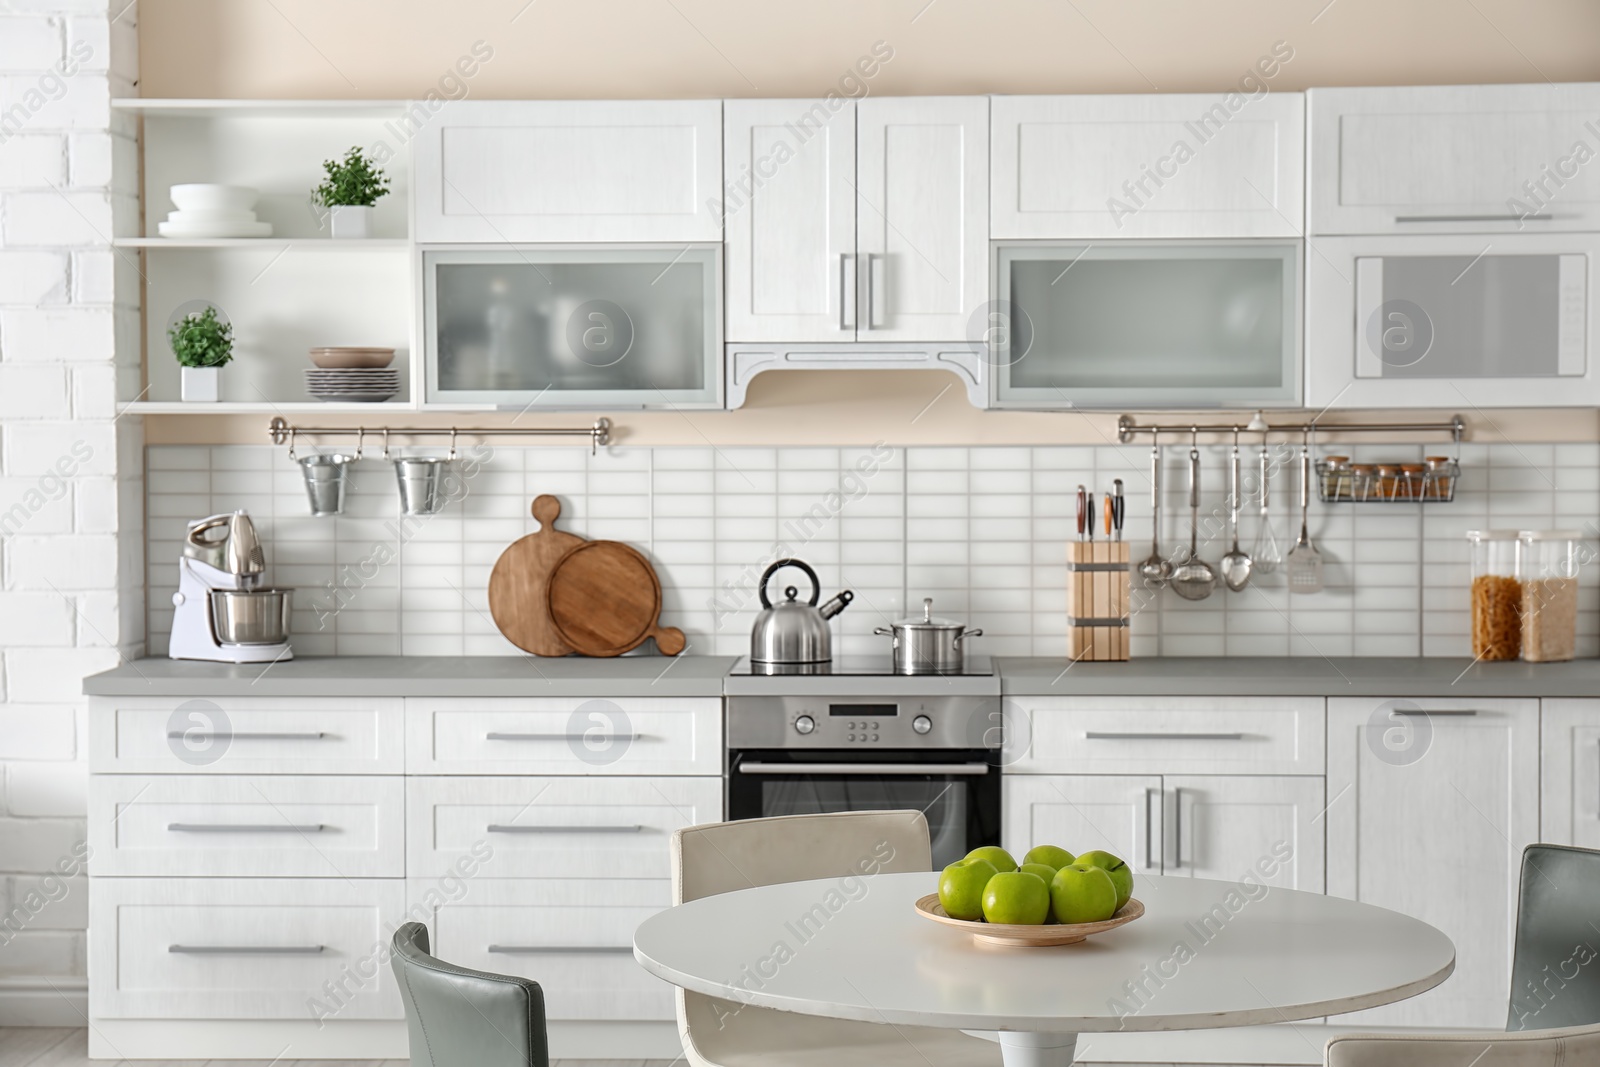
<point x="1194" y="579"/>
<point x="1236" y="564"/>
<point x="1157" y="569"/>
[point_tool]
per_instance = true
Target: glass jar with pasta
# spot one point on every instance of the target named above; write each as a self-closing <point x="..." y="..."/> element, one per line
<point x="1496" y="594"/>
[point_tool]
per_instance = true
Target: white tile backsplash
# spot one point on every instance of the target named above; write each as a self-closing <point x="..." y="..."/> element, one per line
<point x="980" y="529"/>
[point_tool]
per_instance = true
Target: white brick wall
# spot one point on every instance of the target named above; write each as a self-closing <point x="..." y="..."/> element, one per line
<point x="71" y="538"/>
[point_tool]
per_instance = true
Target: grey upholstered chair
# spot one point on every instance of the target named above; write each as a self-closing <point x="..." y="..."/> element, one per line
<point x="723" y="857"/>
<point x="462" y="1018"/>
<point x="1555" y="981"/>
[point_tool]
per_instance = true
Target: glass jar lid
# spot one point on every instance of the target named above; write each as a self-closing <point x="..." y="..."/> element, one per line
<point x="1493" y="535"/>
<point x="1552" y="535"/>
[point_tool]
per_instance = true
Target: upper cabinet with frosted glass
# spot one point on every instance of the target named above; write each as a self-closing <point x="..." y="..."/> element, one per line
<point x="570" y="170"/>
<point x="1161" y="165"/>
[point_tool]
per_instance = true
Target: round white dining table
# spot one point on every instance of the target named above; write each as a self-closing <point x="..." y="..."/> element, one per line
<point x="1205" y="954"/>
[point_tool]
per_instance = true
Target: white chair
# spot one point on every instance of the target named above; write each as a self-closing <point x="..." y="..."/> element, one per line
<point x="723" y="857"/>
<point x="1572" y="1046"/>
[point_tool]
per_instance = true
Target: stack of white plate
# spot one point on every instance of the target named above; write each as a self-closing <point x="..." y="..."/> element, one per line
<point x="213" y="211"/>
<point x="353" y="386"/>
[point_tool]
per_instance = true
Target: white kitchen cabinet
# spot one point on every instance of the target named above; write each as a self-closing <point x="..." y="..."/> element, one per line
<point x="1430" y="804"/>
<point x="1147" y="165"/>
<point x="243" y="948"/>
<point x="569" y="170"/>
<point x="1228" y="827"/>
<point x="1121" y="814"/>
<point x="1237" y="828"/>
<point x="564" y="736"/>
<point x="1141" y="735"/>
<point x="856" y="220"/>
<point x="246" y="735"/>
<point x="268" y="826"/>
<point x="563" y="827"/>
<point x="1570" y="772"/>
<point x="573" y="936"/>
<point x="1453" y="159"/>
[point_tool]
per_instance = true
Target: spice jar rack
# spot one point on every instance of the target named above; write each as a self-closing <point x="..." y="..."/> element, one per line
<point x="1432" y="481"/>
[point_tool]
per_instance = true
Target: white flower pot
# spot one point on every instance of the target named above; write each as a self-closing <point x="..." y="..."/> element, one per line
<point x="348" y="222"/>
<point x="200" y="384"/>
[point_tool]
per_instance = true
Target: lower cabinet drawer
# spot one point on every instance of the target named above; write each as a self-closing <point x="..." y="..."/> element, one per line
<point x="589" y="827"/>
<point x="572" y="936"/>
<point x="276" y="826"/>
<point x="228" y="948"/>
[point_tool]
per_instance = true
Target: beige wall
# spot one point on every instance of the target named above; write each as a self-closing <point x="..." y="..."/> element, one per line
<point x="712" y="48"/>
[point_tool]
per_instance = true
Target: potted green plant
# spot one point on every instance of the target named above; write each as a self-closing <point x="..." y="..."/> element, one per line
<point x="351" y="187"/>
<point x="203" y="343"/>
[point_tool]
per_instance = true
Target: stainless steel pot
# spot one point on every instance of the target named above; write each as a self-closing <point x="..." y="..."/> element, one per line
<point x="929" y="645"/>
<point x="793" y="632"/>
<point x="250" y="616"/>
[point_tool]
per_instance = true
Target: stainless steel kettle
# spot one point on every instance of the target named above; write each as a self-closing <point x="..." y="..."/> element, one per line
<point x="792" y="632"/>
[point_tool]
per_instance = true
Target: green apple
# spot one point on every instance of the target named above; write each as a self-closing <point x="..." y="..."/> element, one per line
<point x="1080" y="893"/>
<point x="1043" y="870"/>
<point x="1018" y="898"/>
<point x="1051" y="856"/>
<point x="1121" y="874"/>
<point x="961" y="887"/>
<point x="996" y="855"/>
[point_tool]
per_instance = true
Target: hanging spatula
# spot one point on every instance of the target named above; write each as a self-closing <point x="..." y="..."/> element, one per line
<point x="1304" y="563"/>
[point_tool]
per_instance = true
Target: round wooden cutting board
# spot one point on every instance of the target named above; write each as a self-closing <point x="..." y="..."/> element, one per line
<point x="605" y="599"/>
<point x="517" y="585"/>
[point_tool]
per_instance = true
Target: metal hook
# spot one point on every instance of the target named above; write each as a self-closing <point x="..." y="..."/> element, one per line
<point x="361" y="434"/>
<point x="292" y="432"/>
<point x="451" y="457"/>
<point x="386" y="442"/>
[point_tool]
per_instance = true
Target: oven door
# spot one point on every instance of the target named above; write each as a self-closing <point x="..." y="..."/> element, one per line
<point x="957" y="789"/>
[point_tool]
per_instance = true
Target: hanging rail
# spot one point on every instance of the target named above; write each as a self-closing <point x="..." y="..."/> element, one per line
<point x="281" y="432"/>
<point x="1128" y="429"/>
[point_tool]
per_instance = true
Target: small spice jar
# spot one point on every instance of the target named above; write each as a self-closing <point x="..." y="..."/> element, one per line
<point x="1413" y="480"/>
<point x="1363" y="481"/>
<point x="1547" y="566"/>
<point x="1496" y="594"/>
<point x="1335" y="477"/>
<point x="1441" y="472"/>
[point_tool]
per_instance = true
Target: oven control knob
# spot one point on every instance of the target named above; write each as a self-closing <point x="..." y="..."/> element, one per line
<point x="805" y="724"/>
<point x="922" y="724"/>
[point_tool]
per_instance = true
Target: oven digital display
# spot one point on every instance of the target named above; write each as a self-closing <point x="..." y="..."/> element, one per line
<point x="860" y="710"/>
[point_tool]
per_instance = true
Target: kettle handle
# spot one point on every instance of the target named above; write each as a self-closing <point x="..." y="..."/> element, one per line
<point x="816" y="586"/>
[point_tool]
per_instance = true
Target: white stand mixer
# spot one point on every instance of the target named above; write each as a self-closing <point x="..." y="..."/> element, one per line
<point x="221" y="614"/>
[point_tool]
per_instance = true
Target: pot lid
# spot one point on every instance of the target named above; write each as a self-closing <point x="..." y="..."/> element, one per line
<point x="928" y="620"/>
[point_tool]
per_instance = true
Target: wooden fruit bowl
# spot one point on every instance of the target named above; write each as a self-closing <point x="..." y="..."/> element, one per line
<point x="1028" y="936"/>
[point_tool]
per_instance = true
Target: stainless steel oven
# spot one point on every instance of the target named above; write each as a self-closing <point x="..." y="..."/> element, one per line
<point x="811" y="744"/>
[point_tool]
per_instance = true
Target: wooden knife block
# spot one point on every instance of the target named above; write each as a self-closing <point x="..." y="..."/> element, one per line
<point x="1097" y="600"/>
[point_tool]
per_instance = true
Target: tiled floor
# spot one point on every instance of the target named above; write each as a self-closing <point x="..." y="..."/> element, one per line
<point x="52" y="1047"/>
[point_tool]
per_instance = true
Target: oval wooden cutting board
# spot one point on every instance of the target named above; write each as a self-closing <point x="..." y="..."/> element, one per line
<point x="605" y="599"/>
<point x="518" y="597"/>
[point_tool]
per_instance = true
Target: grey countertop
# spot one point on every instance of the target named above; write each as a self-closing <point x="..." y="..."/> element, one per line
<point x="684" y="676"/>
<point x="417" y="676"/>
<point x="1299" y="676"/>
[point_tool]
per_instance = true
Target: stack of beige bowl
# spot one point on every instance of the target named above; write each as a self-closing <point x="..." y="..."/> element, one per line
<point x="352" y="375"/>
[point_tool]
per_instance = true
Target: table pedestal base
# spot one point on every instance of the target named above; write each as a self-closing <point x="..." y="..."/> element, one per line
<point x="1018" y="1049"/>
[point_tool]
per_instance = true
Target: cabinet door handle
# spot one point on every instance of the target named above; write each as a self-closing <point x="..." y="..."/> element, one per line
<point x="847" y="290"/>
<point x="185" y="735"/>
<point x="246" y="950"/>
<point x="1473" y="218"/>
<point x="877" y="265"/>
<point x="757" y="767"/>
<point x="496" y="735"/>
<point x="506" y="828"/>
<point x="541" y="950"/>
<point x="1099" y="735"/>
<point x="243" y="828"/>
<point x="1149" y="829"/>
<point x="1177" y="829"/>
<point x="1418" y="713"/>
